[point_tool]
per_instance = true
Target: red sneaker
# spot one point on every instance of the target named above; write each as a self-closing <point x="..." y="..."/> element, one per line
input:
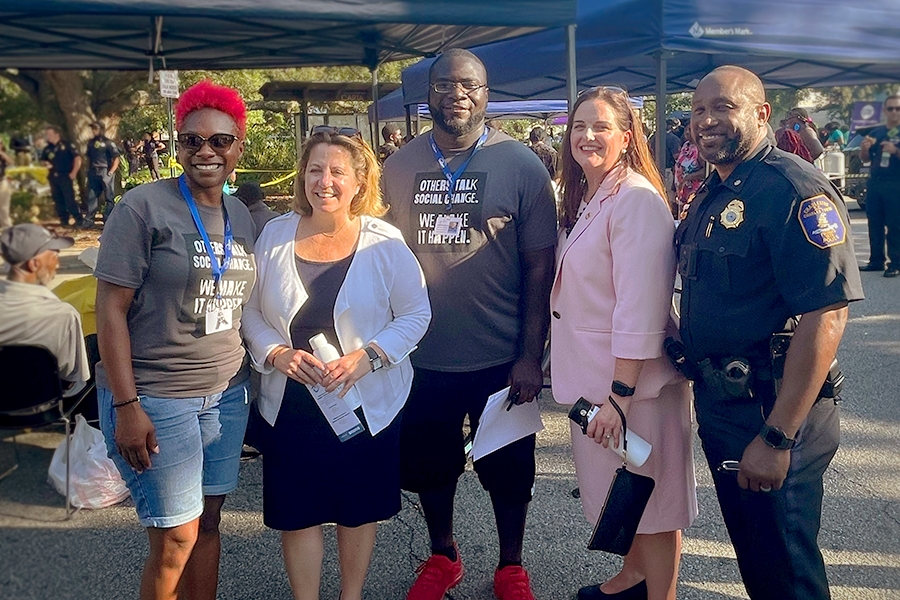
<point x="437" y="576"/>
<point x="511" y="583"/>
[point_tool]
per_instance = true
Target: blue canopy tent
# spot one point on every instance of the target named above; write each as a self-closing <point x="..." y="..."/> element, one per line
<point x="241" y="34"/>
<point x="663" y="46"/>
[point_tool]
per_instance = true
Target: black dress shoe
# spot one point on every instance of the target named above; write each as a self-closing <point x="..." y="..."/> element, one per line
<point x="872" y="267"/>
<point x="892" y="272"/>
<point x="593" y="592"/>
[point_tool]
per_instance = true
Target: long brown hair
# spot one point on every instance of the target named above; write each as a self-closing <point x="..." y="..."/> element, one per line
<point x="637" y="154"/>
<point x="365" y="166"/>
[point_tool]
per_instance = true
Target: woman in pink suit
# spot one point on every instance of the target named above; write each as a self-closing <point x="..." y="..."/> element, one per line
<point x="610" y="304"/>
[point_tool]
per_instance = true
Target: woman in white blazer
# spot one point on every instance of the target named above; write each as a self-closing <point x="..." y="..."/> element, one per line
<point x="331" y="267"/>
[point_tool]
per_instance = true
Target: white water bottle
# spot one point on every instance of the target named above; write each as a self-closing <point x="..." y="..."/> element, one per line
<point x="638" y="448"/>
<point x="326" y="352"/>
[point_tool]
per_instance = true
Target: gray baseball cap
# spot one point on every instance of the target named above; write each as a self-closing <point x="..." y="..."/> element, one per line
<point x="21" y="243"/>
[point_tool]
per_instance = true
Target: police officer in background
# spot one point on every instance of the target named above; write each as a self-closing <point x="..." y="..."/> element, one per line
<point x="103" y="161"/>
<point x="765" y="239"/>
<point x="882" y="147"/>
<point x="63" y="160"/>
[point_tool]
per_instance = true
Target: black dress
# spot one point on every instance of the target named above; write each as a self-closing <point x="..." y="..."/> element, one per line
<point x="309" y="476"/>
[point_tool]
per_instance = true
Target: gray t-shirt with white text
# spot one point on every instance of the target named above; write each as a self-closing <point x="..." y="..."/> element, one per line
<point x="152" y="246"/>
<point x="503" y="206"/>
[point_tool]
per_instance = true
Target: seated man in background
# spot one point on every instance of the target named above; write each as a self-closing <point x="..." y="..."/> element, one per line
<point x="32" y="314"/>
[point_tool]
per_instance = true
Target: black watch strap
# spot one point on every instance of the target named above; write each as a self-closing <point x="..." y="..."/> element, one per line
<point x="375" y="361"/>
<point x="776" y="438"/>
<point x="620" y="389"/>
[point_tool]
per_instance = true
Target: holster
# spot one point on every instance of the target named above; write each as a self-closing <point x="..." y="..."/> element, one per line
<point x="778" y="347"/>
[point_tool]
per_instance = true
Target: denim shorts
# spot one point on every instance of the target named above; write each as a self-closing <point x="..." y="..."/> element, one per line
<point x="200" y="442"/>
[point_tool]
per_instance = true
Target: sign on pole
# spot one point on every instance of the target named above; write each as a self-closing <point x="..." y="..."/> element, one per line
<point x="168" y="84"/>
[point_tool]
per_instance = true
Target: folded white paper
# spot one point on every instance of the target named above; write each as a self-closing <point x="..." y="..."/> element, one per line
<point x="499" y="427"/>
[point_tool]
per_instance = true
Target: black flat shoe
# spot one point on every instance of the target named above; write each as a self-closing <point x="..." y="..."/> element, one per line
<point x="872" y="267"/>
<point x="593" y="592"/>
<point x="892" y="272"/>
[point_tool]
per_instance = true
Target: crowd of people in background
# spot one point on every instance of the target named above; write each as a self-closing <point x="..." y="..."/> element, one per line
<point x="407" y="285"/>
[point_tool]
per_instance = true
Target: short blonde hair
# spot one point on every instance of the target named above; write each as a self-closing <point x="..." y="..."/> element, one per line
<point x="365" y="166"/>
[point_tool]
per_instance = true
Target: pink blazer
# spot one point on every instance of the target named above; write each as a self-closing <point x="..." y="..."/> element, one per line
<point x="612" y="293"/>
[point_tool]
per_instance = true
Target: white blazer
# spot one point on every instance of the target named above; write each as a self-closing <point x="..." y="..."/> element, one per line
<point x="383" y="299"/>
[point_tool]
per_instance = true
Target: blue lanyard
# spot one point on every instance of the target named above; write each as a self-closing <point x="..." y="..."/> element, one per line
<point x="218" y="269"/>
<point x="452" y="177"/>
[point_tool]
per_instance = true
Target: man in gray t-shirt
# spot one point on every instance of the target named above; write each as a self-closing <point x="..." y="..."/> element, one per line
<point x="487" y="253"/>
<point x="172" y="355"/>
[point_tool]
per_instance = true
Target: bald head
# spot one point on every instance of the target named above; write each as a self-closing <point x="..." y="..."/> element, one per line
<point x="457" y="55"/>
<point x="728" y="116"/>
<point x="739" y="79"/>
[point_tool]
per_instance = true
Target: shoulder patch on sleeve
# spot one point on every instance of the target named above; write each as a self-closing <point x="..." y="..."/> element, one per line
<point x="821" y="222"/>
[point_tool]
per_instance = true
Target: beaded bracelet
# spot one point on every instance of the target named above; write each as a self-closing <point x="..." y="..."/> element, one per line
<point x="127" y="402"/>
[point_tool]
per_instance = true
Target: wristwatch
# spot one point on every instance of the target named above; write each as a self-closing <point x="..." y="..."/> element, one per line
<point x="374" y="359"/>
<point x="620" y="389"/>
<point x="776" y="438"/>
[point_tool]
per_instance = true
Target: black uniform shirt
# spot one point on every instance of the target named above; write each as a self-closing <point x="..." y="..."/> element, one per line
<point x="101" y="152"/>
<point x="890" y="173"/>
<point x="61" y="157"/>
<point x="771" y="242"/>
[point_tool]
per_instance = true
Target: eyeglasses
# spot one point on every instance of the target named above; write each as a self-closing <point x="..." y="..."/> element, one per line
<point x="219" y="142"/>
<point x="445" y="87"/>
<point x="347" y="131"/>
<point x="892" y="108"/>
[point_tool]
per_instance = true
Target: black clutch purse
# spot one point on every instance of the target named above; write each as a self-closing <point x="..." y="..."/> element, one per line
<point x="625" y="503"/>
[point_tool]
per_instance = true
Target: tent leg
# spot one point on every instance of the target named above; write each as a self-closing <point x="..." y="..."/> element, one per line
<point x="660" y="139"/>
<point x="408" y="121"/>
<point x="376" y="141"/>
<point x="572" y="66"/>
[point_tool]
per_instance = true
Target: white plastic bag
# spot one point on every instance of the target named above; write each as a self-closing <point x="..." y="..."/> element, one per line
<point x="94" y="481"/>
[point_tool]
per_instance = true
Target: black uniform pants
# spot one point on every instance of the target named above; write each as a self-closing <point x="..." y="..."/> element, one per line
<point x="63" y="193"/>
<point x="100" y="182"/>
<point x="883" y="213"/>
<point x="775" y="533"/>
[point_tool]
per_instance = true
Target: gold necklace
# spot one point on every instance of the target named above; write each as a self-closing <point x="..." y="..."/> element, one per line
<point x="337" y="231"/>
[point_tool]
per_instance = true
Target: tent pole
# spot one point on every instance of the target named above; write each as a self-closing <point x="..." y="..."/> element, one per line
<point x="408" y="121"/>
<point x="572" y="74"/>
<point x="660" y="138"/>
<point x="171" y="161"/>
<point x="375" y="140"/>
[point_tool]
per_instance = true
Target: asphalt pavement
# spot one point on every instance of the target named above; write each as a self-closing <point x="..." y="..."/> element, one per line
<point x="99" y="554"/>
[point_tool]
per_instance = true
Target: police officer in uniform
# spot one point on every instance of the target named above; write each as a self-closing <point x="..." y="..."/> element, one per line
<point x="103" y="161"/>
<point x="882" y="147"/>
<point x="63" y="160"/>
<point x="766" y="238"/>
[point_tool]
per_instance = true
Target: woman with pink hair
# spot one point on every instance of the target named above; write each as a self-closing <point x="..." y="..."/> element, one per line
<point x="174" y="271"/>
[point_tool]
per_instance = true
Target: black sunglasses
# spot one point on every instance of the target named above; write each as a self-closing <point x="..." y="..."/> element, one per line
<point x="347" y="131"/>
<point x="892" y="108"/>
<point x="219" y="142"/>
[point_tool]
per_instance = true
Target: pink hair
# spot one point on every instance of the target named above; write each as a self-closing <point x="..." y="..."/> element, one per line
<point x="206" y="94"/>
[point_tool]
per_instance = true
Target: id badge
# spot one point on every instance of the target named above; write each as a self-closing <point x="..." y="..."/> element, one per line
<point x="218" y="319"/>
<point x="448" y="225"/>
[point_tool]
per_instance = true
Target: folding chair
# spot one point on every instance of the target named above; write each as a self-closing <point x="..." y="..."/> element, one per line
<point x="32" y="396"/>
